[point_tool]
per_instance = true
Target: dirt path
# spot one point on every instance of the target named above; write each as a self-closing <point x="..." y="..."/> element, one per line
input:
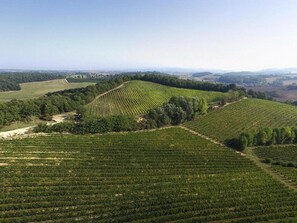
<point x="106" y="92"/>
<point x="250" y="155"/>
<point x="230" y="103"/>
<point x="15" y="133"/>
<point x="201" y="135"/>
<point x="267" y="169"/>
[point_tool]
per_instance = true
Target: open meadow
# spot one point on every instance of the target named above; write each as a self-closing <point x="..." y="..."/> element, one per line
<point x="37" y="89"/>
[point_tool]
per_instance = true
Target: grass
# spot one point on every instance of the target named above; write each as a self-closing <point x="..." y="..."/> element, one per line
<point x="165" y="175"/>
<point x="137" y="97"/>
<point x="37" y="89"/>
<point x="243" y="116"/>
<point x="22" y="124"/>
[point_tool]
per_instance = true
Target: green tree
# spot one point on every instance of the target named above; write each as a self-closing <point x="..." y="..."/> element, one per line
<point x="243" y="141"/>
<point x="203" y="106"/>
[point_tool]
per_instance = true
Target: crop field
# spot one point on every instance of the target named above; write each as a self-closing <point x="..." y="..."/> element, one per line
<point x="152" y="176"/>
<point x="288" y="172"/>
<point x="246" y="115"/>
<point x="286" y="153"/>
<point x="37" y="89"/>
<point x="280" y="154"/>
<point x="137" y="97"/>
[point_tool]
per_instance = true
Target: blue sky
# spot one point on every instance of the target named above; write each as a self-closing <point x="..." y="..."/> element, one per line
<point x="134" y="34"/>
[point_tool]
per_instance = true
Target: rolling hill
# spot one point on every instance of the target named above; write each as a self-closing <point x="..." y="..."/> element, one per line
<point x="246" y="115"/>
<point x="167" y="175"/>
<point x="37" y="89"/>
<point x="137" y="97"/>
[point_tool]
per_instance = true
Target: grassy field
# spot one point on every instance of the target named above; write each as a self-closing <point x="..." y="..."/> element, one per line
<point x="246" y="115"/>
<point x="281" y="154"/>
<point x="137" y="97"/>
<point x="37" y="89"/>
<point x="22" y="124"/>
<point x="167" y="175"/>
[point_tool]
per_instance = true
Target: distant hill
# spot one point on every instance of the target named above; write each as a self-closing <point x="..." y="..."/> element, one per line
<point x="241" y="73"/>
<point x="201" y="74"/>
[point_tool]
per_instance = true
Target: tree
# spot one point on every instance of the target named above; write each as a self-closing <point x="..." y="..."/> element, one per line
<point x="243" y="142"/>
<point x="262" y="137"/>
<point x="203" y="106"/>
<point x="179" y="116"/>
<point x="80" y="113"/>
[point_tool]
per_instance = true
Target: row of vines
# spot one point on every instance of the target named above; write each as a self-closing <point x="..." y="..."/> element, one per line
<point x="137" y="97"/>
<point x="153" y="176"/>
<point x="245" y="116"/>
<point x="283" y="160"/>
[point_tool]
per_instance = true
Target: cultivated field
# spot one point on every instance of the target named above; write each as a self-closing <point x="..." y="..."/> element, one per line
<point x="246" y="115"/>
<point x="137" y="97"/>
<point x="280" y="154"/>
<point x="278" y="93"/>
<point x="37" y="89"/>
<point x="157" y="176"/>
<point x="287" y="172"/>
<point x="286" y="153"/>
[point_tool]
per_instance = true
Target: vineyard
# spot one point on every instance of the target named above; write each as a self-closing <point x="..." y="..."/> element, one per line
<point x="153" y="176"/>
<point x="286" y="172"/>
<point x="279" y="155"/>
<point x="137" y="97"/>
<point x="244" y="116"/>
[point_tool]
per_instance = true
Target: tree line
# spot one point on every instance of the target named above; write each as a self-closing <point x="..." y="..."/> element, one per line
<point x="25" y="77"/>
<point x="53" y="103"/>
<point x="93" y="125"/>
<point x="173" y="81"/>
<point x="264" y="137"/>
<point x="176" y="111"/>
<point x="8" y="85"/>
<point x="11" y="81"/>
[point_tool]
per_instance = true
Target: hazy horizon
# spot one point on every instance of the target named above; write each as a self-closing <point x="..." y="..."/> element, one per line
<point x="225" y="35"/>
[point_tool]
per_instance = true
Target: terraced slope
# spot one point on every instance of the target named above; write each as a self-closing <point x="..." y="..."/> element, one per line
<point x="245" y="115"/>
<point x="137" y="97"/>
<point x="280" y="154"/>
<point x="165" y="175"/>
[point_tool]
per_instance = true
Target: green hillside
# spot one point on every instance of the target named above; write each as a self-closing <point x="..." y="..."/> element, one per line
<point x="246" y="115"/>
<point x="157" y="176"/>
<point x="283" y="160"/>
<point x="37" y="89"/>
<point x="287" y="153"/>
<point x="137" y="97"/>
